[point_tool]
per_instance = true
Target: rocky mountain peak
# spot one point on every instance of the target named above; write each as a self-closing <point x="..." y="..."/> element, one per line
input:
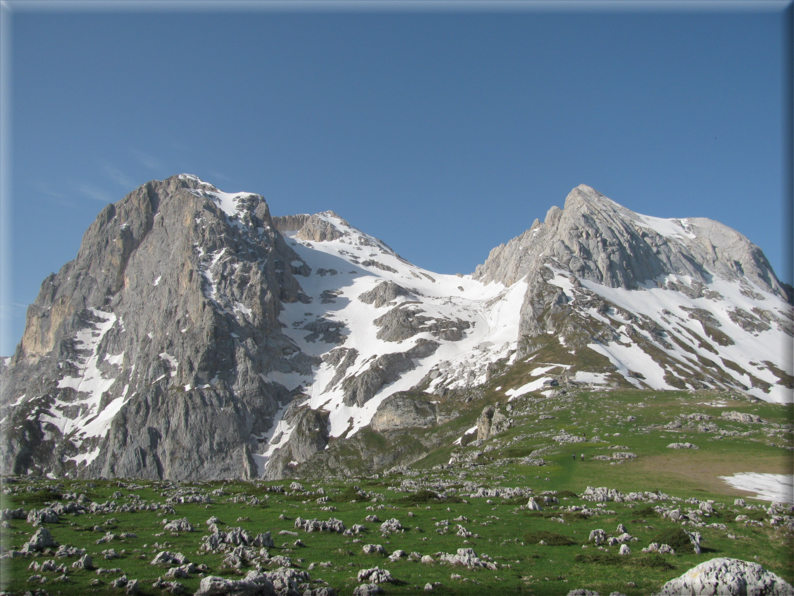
<point x="595" y="238"/>
<point x="171" y="305"/>
<point x="196" y="336"/>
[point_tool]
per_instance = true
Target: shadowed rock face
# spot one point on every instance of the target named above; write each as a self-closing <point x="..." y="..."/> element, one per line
<point x="401" y="323"/>
<point x="383" y="293"/>
<point x="309" y="437"/>
<point x="384" y="370"/>
<point x="491" y="422"/>
<point x="168" y="319"/>
<point x="290" y="223"/>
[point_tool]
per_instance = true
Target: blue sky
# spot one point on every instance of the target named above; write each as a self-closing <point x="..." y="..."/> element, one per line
<point x="443" y="132"/>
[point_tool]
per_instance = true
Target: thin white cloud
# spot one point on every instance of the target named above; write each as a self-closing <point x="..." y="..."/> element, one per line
<point x="219" y="176"/>
<point x="47" y="190"/>
<point x="56" y="196"/>
<point x="10" y="308"/>
<point x="94" y="192"/>
<point x="149" y="161"/>
<point x="119" y="177"/>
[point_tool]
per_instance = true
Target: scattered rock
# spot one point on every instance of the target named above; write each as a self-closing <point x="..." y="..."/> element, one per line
<point x="85" y="562"/>
<point x="367" y="590"/>
<point x="39" y="541"/>
<point x="741" y="417"/>
<point x="391" y="525"/>
<point x="375" y="575"/>
<point x="178" y="525"/>
<point x="315" y="525"/>
<point x="597" y="536"/>
<point x="168" y="558"/>
<point x="373" y="549"/>
<point x="533" y="505"/>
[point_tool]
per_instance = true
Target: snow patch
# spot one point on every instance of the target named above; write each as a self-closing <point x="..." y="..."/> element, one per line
<point x="171" y="360"/>
<point x="769" y="487"/>
<point x="669" y="228"/>
<point x="527" y="388"/>
<point x="591" y="378"/>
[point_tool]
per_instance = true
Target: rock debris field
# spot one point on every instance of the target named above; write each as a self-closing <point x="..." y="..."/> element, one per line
<point x="512" y="509"/>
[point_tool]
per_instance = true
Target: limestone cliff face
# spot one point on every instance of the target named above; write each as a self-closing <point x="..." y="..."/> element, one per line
<point x="148" y="354"/>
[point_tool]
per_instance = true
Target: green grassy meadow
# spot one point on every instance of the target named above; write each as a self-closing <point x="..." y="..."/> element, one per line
<point x="638" y="422"/>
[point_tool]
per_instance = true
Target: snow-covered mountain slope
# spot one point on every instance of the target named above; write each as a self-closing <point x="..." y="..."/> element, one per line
<point x="662" y="304"/>
<point x="195" y="336"/>
<point x="381" y="325"/>
<point x="572" y="295"/>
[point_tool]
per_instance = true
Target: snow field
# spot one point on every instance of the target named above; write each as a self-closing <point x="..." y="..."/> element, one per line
<point x="748" y="350"/>
<point x="492" y="311"/>
<point x="768" y="487"/>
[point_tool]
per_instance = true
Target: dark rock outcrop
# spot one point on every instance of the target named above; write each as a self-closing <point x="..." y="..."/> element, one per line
<point x="491" y="422"/>
<point x="383" y="293"/>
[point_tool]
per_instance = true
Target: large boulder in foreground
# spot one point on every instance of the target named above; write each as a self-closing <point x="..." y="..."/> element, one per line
<point x="727" y="577"/>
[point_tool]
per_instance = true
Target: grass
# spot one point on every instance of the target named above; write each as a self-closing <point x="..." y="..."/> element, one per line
<point x="549" y="538"/>
<point x="645" y="562"/>
<point x="675" y="538"/>
<point x="498" y="526"/>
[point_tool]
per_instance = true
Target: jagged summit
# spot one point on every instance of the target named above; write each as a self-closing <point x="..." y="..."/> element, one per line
<point x="595" y="238"/>
<point x="196" y="336"/>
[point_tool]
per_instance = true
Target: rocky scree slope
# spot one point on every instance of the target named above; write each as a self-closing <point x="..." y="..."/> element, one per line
<point x="196" y="336"/>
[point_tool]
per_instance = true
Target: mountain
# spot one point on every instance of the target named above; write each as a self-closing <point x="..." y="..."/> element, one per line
<point x="195" y="336"/>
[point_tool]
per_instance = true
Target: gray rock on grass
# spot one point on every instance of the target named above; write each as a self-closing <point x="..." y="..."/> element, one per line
<point x="178" y="525"/>
<point x="598" y="536"/>
<point x="373" y="549"/>
<point x="727" y="577"/>
<point x="252" y="584"/>
<point x="682" y="446"/>
<point x="375" y="575"/>
<point x="391" y="525"/>
<point x="367" y="590"/>
<point x="85" y="562"/>
<point x="168" y="558"/>
<point x="37" y="517"/>
<point x="39" y="541"/>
